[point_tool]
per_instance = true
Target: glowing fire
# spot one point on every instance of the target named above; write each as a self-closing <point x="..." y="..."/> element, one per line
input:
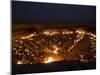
<point x="53" y="58"/>
<point x="55" y="52"/>
<point x="19" y="62"/>
<point x="55" y="49"/>
<point x="49" y="60"/>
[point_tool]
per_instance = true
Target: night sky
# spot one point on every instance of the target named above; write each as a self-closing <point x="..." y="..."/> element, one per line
<point x="34" y="11"/>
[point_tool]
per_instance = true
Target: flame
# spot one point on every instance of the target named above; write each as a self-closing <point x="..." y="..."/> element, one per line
<point x="55" y="52"/>
<point x="29" y="36"/>
<point x="55" y="49"/>
<point x="49" y="60"/>
<point x="19" y="62"/>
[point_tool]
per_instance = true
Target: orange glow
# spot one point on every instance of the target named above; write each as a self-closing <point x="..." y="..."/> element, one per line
<point x="55" y="49"/>
<point x="19" y="62"/>
<point x="29" y="36"/>
<point x="49" y="60"/>
<point x="80" y="31"/>
<point x="49" y="46"/>
<point x="53" y="58"/>
<point x="55" y="52"/>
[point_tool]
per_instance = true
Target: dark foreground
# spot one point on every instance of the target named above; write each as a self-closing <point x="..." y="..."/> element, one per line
<point x="52" y="67"/>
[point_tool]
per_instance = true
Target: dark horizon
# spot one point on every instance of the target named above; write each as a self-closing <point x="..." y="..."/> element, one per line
<point x="37" y="12"/>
